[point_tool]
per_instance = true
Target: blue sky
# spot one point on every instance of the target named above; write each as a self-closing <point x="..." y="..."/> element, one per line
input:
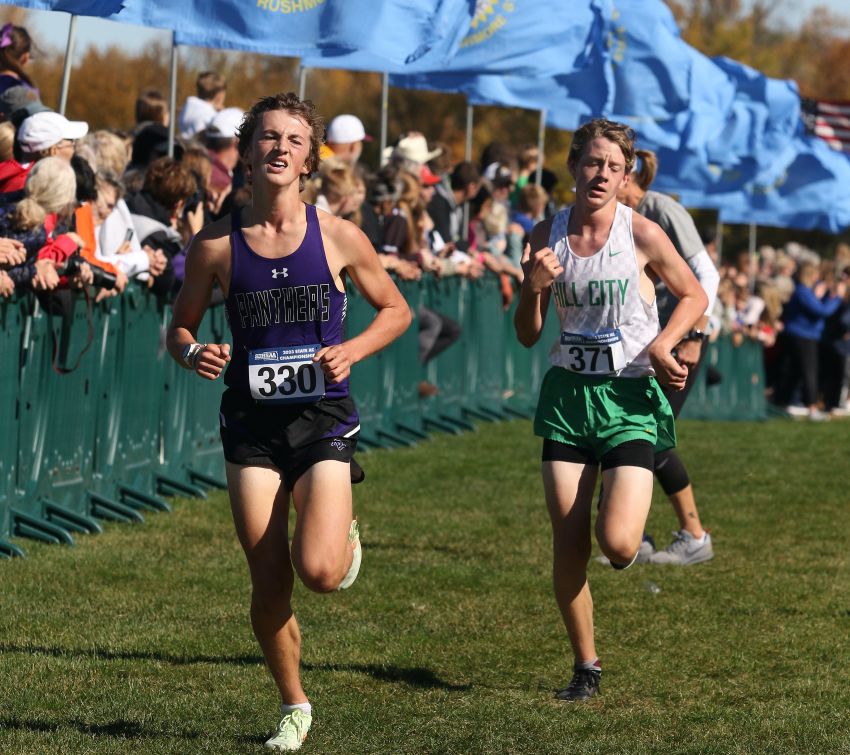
<point x="51" y="29"/>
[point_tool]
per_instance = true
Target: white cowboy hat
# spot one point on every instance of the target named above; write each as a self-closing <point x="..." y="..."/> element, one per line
<point x="415" y="148"/>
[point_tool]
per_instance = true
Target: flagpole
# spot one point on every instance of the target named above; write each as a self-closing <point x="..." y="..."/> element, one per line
<point x="541" y="139"/>
<point x="752" y="258"/>
<point x="385" y="99"/>
<point x="172" y="97"/>
<point x="470" y="114"/>
<point x="718" y="238"/>
<point x="302" y="81"/>
<point x="69" y="62"/>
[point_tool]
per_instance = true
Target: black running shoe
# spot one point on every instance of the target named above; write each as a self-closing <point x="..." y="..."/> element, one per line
<point x="583" y="685"/>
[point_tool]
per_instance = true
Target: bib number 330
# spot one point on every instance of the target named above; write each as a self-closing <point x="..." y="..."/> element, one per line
<point x="286" y="375"/>
<point x="595" y="353"/>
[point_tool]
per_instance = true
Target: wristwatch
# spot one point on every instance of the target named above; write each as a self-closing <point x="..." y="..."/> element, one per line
<point x="191" y="354"/>
<point x="695" y="334"/>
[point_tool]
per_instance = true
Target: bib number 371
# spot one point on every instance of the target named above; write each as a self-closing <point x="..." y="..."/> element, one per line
<point x="285" y="375"/>
<point x="593" y="354"/>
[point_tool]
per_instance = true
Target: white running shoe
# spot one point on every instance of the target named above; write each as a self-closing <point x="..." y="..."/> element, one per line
<point x="354" y="570"/>
<point x="684" y="550"/>
<point x="291" y="732"/>
<point x="792" y="410"/>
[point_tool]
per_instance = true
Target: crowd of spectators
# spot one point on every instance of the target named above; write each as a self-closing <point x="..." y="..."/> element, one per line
<point x="81" y="208"/>
<point x="795" y="303"/>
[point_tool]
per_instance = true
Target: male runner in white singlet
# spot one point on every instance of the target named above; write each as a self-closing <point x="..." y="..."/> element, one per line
<point x="288" y="425"/>
<point x="600" y="402"/>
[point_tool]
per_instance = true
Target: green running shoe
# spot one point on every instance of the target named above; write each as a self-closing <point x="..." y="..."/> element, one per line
<point x="291" y="732"/>
<point x="354" y="570"/>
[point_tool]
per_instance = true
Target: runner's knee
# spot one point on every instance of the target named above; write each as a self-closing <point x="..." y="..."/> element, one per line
<point x="571" y="550"/>
<point x="620" y="553"/>
<point x="271" y="586"/>
<point x="618" y="547"/>
<point x="320" y="572"/>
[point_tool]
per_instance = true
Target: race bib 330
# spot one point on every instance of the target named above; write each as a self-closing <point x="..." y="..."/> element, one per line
<point x="285" y="374"/>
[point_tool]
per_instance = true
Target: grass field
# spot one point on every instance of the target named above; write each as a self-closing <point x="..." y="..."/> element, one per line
<point x="138" y="640"/>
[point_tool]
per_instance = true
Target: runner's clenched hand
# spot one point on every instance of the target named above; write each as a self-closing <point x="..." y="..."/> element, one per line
<point x="540" y="268"/>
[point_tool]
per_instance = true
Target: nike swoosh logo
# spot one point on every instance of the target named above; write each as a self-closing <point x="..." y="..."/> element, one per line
<point x="613" y="254"/>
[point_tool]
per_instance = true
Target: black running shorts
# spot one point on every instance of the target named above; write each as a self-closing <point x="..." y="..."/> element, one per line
<point x="292" y="437"/>
<point x="632" y="453"/>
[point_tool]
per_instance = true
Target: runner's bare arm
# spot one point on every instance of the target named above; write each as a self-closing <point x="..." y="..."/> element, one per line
<point x="659" y="253"/>
<point x="348" y="248"/>
<point x="541" y="267"/>
<point x="204" y="263"/>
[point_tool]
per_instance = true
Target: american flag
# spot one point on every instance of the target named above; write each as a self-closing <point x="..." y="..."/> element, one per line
<point x="830" y="120"/>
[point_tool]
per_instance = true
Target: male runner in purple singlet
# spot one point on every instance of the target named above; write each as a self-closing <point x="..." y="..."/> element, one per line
<point x="288" y="424"/>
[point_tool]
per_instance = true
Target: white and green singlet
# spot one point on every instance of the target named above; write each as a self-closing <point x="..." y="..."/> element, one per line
<point x="606" y="325"/>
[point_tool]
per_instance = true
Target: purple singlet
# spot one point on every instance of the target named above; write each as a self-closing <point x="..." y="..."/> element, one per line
<point x="277" y="305"/>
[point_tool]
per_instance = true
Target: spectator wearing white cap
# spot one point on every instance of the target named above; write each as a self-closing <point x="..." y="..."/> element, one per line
<point x="43" y="134"/>
<point x="345" y="137"/>
<point x="49" y="134"/>
<point x="221" y="141"/>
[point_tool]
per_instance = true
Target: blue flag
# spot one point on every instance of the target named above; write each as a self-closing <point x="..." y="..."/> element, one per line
<point x="577" y="96"/>
<point x="578" y="92"/>
<point x="668" y="92"/>
<point x="396" y="30"/>
<point x="811" y="191"/>
<point x="725" y="147"/>
<point x="510" y="37"/>
<point x="98" y="8"/>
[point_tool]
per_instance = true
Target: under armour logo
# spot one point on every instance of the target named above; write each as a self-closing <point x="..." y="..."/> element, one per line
<point x="282" y="273"/>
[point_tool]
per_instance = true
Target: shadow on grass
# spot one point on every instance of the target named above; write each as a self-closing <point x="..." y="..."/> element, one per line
<point x="418" y="676"/>
<point x="131" y="655"/>
<point x="422" y="678"/>
<point x="122" y="729"/>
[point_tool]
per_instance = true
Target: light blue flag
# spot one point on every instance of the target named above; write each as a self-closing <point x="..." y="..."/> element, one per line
<point x="672" y="95"/>
<point x="740" y="129"/>
<point x="396" y="30"/>
<point x="99" y="8"/>
<point x="764" y="119"/>
<point x="505" y="37"/>
<point x="651" y="65"/>
<point x="812" y="192"/>
<point x="576" y="96"/>
<point x="570" y="98"/>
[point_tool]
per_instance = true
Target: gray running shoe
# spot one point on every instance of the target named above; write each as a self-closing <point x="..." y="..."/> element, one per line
<point x="646" y="550"/>
<point x="684" y="550"/>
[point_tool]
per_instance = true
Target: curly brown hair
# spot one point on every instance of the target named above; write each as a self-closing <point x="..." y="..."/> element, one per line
<point x="292" y="104"/>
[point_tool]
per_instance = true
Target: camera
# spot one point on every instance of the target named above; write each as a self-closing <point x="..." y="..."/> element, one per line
<point x="192" y="202"/>
<point x="102" y="278"/>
